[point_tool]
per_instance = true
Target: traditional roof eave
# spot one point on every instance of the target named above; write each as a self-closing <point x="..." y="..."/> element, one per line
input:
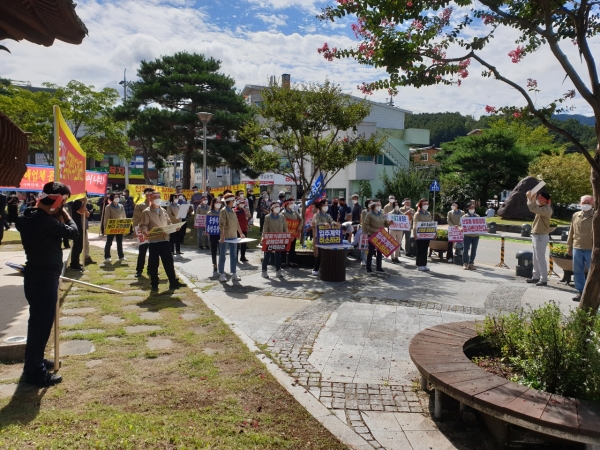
<point x="14" y="149"/>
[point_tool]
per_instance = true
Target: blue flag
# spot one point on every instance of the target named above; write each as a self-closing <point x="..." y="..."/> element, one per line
<point x="316" y="191"/>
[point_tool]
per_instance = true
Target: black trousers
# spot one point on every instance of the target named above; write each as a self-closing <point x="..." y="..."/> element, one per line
<point x="241" y="250"/>
<point x="42" y="296"/>
<point x="160" y="250"/>
<point x="261" y="221"/>
<point x="175" y="242"/>
<point x="292" y="253"/>
<point x="2" y="229"/>
<point x="378" y="258"/>
<point x="141" y="260"/>
<point x="407" y="251"/>
<point x="109" y="240"/>
<point x="77" y="249"/>
<point x="317" y="260"/>
<point x="214" y="247"/>
<point x="422" y="247"/>
<point x="181" y="232"/>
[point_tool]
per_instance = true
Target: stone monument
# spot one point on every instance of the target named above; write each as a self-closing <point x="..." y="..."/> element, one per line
<point x="515" y="206"/>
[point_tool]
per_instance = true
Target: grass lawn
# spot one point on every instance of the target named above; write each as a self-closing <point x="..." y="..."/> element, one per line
<point x="190" y="383"/>
<point x="501" y="221"/>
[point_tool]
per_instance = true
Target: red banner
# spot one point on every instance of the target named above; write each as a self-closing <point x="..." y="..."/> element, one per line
<point x="69" y="158"/>
<point x="276" y="242"/>
<point x="293" y="228"/>
<point x="384" y="242"/>
<point x="95" y="182"/>
<point x="37" y="176"/>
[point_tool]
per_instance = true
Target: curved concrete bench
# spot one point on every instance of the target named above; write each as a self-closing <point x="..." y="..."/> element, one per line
<point x="439" y="354"/>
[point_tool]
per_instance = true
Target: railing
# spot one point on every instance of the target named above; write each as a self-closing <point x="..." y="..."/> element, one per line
<point x="392" y="152"/>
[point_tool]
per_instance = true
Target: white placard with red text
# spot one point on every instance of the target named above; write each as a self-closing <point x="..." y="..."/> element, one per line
<point x="473" y="225"/>
<point x="401" y="222"/>
<point x="455" y="234"/>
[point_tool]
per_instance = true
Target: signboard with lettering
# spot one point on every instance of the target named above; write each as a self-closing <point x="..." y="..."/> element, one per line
<point x="212" y="225"/>
<point x="401" y="222"/>
<point x="118" y="226"/>
<point x="363" y="243"/>
<point x="426" y="230"/>
<point x="140" y="236"/>
<point x="455" y="234"/>
<point x="327" y="236"/>
<point x="384" y="242"/>
<point x="473" y="225"/>
<point x="157" y="231"/>
<point x="293" y="227"/>
<point x="200" y="221"/>
<point x="276" y="242"/>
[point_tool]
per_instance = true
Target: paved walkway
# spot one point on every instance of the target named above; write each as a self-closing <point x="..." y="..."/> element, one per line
<point x="347" y="343"/>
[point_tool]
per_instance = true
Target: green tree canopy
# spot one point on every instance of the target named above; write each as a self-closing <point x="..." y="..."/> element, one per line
<point x="485" y="163"/>
<point x="188" y="83"/>
<point x="443" y="127"/>
<point x="567" y="177"/>
<point x="410" y="183"/>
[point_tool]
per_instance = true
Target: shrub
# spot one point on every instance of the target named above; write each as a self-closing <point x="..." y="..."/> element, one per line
<point x="442" y="235"/>
<point x="549" y="351"/>
<point x="560" y="251"/>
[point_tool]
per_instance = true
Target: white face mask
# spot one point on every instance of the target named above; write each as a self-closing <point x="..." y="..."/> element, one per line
<point x="276" y="210"/>
<point x="392" y="200"/>
<point x="471" y="211"/>
<point x="586" y="207"/>
<point x="116" y="200"/>
<point x="204" y="202"/>
<point x="181" y="197"/>
<point x="325" y="209"/>
<point x="218" y="205"/>
<point x="241" y="195"/>
<point x="378" y="208"/>
<point x="425" y="207"/>
<point x="156" y="201"/>
<point x="454" y="207"/>
<point x="354" y="202"/>
<point x="396" y="208"/>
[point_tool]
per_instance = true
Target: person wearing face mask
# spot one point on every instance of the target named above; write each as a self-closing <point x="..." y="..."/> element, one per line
<point x="137" y="216"/>
<point x="422" y="244"/>
<point x="390" y="205"/>
<point x="344" y="211"/>
<point x="540" y="235"/>
<point x="209" y="196"/>
<point x="407" y="210"/>
<point x="229" y="227"/>
<point x="363" y="214"/>
<point x="202" y="210"/>
<point x="264" y="206"/>
<point x="274" y="223"/>
<point x="396" y="234"/>
<point x="453" y="218"/>
<point x="374" y="220"/>
<point x="356" y="210"/>
<point x="289" y="214"/>
<point x="196" y="197"/>
<point x="114" y="210"/>
<point x="158" y="246"/>
<point x="215" y="209"/>
<point x="334" y="209"/>
<point x="251" y="204"/>
<point x="580" y="243"/>
<point x="470" y="242"/>
<point x="172" y="212"/>
<point x="243" y="214"/>
<point x="42" y="230"/>
<point x="320" y="217"/>
<point x="281" y="197"/>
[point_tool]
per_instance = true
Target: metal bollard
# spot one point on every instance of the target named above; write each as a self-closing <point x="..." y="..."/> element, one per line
<point x="551" y="264"/>
<point x="501" y="263"/>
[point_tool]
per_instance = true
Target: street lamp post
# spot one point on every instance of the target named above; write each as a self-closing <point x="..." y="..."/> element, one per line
<point x="204" y="118"/>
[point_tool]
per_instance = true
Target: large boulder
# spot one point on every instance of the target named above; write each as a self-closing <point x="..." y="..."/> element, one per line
<point x="515" y="206"/>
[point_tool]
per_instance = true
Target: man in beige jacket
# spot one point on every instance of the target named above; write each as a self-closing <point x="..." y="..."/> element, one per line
<point x="540" y="235"/>
<point x="137" y="216"/>
<point x="580" y="243"/>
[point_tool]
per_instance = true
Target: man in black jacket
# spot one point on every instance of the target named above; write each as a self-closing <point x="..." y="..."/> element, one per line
<point x="43" y="229"/>
<point x="2" y="216"/>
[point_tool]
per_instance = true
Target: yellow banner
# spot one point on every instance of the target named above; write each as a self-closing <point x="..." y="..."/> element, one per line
<point x="118" y="226"/>
<point x="137" y="192"/>
<point x="234" y="188"/>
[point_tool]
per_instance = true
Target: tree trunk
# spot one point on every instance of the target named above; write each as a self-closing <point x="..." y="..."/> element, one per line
<point x="145" y="156"/>
<point x="186" y="177"/>
<point x="591" y="293"/>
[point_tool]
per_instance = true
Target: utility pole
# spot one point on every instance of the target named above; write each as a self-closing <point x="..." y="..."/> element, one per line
<point x="125" y="85"/>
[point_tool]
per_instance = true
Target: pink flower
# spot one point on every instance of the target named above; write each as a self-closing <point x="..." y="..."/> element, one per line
<point x="328" y="53"/>
<point x="531" y="83"/>
<point x="487" y="19"/>
<point x="417" y="24"/>
<point x="409" y="4"/>
<point x="445" y="15"/>
<point x="490" y="109"/>
<point x="365" y="89"/>
<point x="517" y="54"/>
<point x="517" y="114"/>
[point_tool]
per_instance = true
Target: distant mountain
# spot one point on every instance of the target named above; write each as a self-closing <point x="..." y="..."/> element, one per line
<point x="584" y="120"/>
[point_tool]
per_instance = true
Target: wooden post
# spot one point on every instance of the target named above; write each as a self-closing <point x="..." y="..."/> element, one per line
<point x="437" y="411"/>
<point x="501" y="263"/>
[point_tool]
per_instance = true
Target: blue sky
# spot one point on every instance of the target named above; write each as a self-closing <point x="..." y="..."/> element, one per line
<point x="256" y="39"/>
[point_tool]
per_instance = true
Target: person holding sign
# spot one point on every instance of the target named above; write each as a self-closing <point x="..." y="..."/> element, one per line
<point x="470" y="242"/>
<point x="137" y="216"/>
<point x="374" y="220"/>
<point x="396" y="233"/>
<point x="229" y="227"/>
<point x="320" y="217"/>
<point x="202" y="210"/>
<point x="292" y="217"/>
<point x="215" y="209"/>
<point x="408" y="211"/>
<point x="243" y="214"/>
<point x="540" y="205"/>
<point x="453" y="217"/>
<point x="114" y="210"/>
<point x="173" y="213"/>
<point x="274" y="223"/>
<point x="422" y="244"/>
<point x="158" y="245"/>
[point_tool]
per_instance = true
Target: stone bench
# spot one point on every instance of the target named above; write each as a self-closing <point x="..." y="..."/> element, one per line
<point x="439" y="354"/>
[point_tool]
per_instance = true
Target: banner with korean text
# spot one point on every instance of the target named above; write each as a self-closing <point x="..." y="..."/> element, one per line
<point x="401" y="222"/>
<point x="118" y="226"/>
<point x="384" y="242"/>
<point x="212" y="225"/>
<point x="328" y="236"/>
<point x="69" y="158"/>
<point x="363" y="243"/>
<point x="137" y="192"/>
<point x="293" y="227"/>
<point x="473" y="225"/>
<point x="276" y="242"/>
<point x="200" y="221"/>
<point x="426" y="230"/>
<point x="455" y="234"/>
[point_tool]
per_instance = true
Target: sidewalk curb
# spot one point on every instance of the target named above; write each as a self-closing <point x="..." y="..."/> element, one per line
<point x="314" y="407"/>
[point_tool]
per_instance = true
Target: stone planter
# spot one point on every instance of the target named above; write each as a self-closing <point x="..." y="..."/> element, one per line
<point x="566" y="264"/>
<point x="438" y="245"/>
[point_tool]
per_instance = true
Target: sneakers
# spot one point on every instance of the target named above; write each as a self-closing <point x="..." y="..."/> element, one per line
<point x="107" y="260"/>
<point x="577" y="298"/>
<point x="426" y="269"/>
<point x="315" y="272"/>
<point x="532" y="280"/>
<point x="363" y="264"/>
<point x="465" y="267"/>
<point x="472" y="267"/>
<point x="47" y="380"/>
<point x="236" y="277"/>
<point x="421" y="268"/>
<point x="177" y="285"/>
<point x="264" y="274"/>
<point x="279" y="274"/>
<point x="541" y="283"/>
<point x="222" y="277"/>
<point x="122" y="259"/>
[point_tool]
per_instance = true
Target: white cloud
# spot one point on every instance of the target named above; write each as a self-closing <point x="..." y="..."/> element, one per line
<point x="125" y="32"/>
<point x="275" y="20"/>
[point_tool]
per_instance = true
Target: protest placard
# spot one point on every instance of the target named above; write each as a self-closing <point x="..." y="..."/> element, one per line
<point x="327" y="236"/>
<point x="384" y="242"/>
<point x="455" y="234"/>
<point x="293" y="227"/>
<point x="473" y="225"/>
<point x="183" y="211"/>
<point x="276" y="242"/>
<point x="140" y="236"/>
<point x="363" y="243"/>
<point x="401" y="222"/>
<point x="426" y="230"/>
<point x="157" y="231"/>
<point x="118" y="226"/>
<point x="212" y="225"/>
<point x="200" y="221"/>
